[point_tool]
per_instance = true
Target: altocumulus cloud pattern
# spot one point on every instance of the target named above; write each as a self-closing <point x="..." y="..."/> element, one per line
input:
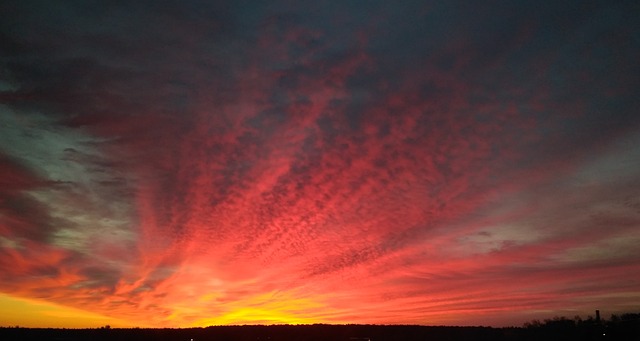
<point x="192" y="163"/>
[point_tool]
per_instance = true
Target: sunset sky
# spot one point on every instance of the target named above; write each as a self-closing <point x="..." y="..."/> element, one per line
<point x="194" y="163"/>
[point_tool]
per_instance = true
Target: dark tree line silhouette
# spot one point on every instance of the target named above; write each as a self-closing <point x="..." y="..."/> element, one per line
<point x="624" y="327"/>
<point x="618" y="327"/>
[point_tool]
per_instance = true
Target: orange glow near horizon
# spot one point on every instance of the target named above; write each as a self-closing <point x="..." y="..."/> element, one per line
<point x="40" y="314"/>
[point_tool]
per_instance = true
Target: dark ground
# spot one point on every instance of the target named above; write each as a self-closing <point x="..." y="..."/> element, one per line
<point x="556" y="329"/>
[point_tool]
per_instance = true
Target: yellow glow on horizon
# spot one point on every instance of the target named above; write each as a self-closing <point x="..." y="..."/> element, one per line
<point x="254" y="316"/>
<point x="23" y="312"/>
<point x="266" y="309"/>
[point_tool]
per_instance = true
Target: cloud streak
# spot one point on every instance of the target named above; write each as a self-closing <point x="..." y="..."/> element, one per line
<point x="196" y="164"/>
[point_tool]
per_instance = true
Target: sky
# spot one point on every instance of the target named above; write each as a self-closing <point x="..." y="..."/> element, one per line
<point x="194" y="163"/>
